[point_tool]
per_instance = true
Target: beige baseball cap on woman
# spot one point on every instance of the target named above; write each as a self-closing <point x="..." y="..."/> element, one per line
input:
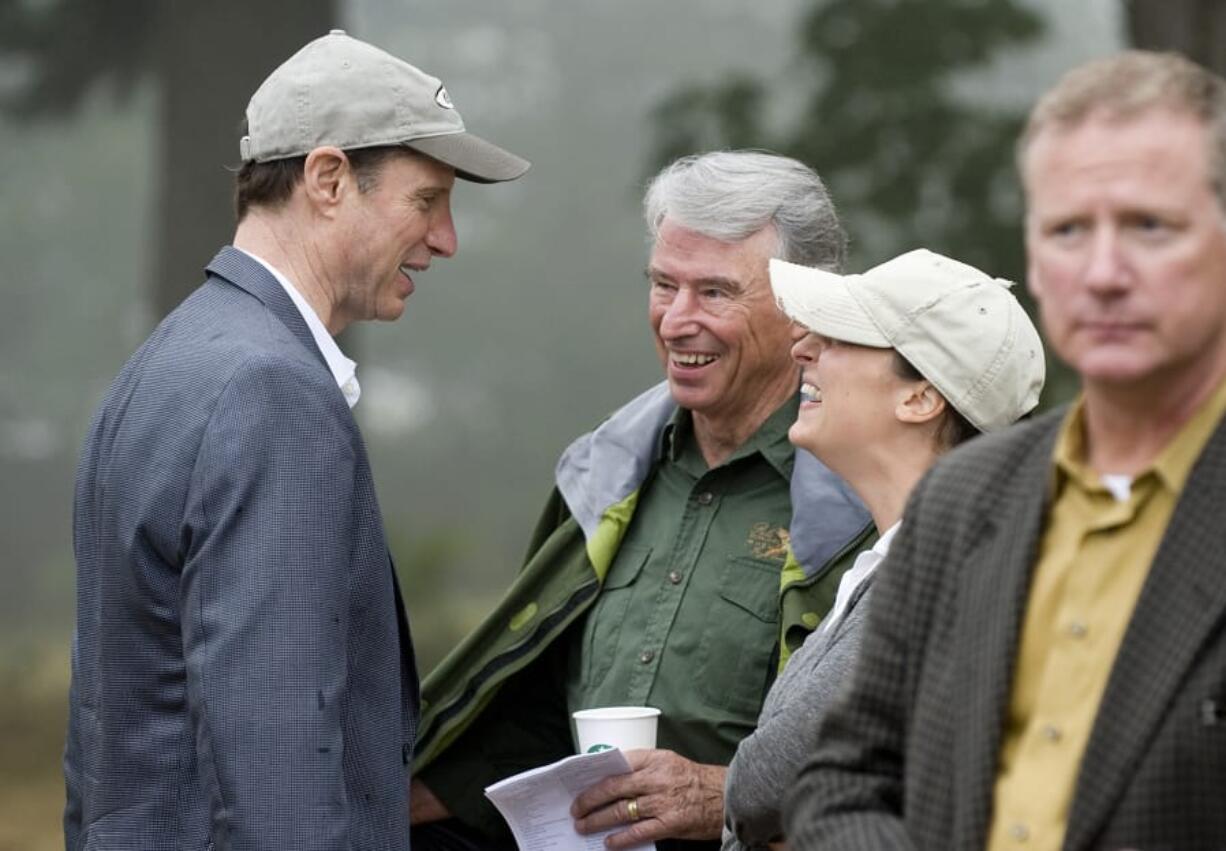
<point x="340" y="91"/>
<point x="962" y="329"/>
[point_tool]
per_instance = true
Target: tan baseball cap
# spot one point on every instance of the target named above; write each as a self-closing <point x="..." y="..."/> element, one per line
<point x="961" y="328"/>
<point x="344" y="92"/>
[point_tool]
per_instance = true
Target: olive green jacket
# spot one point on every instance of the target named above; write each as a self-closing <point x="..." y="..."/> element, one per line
<point x="573" y="546"/>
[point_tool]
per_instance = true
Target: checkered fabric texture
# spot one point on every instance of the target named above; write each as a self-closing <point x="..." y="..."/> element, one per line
<point x="907" y="756"/>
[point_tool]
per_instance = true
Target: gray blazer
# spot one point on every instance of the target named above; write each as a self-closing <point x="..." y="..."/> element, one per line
<point x="242" y="673"/>
<point x="906" y="758"/>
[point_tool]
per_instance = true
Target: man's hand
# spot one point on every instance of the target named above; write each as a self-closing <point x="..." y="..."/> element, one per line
<point x="676" y="799"/>
<point x="423" y="805"/>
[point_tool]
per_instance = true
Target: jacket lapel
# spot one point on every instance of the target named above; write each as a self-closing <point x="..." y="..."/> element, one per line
<point x="247" y="273"/>
<point x="993" y="589"/>
<point x="1181" y="602"/>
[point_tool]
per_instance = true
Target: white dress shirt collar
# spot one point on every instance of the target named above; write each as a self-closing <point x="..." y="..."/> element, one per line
<point x="343" y="369"/>
<point x="864" y="567"/>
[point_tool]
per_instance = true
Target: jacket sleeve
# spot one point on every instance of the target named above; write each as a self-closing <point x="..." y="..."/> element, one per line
<point x="525" y="724"/>
<point x="849" y="794"/>
<point x="768" y="760"/>
<point x="267" y="539"/>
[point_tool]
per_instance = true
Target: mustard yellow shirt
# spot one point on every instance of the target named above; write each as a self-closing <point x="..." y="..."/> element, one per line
<point x="1093" y="559"/>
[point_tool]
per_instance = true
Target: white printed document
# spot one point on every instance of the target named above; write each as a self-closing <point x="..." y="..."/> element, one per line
<point x="536" y="803"/>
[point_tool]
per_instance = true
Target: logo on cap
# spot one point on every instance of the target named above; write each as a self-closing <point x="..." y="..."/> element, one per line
<point x="443" y="99"/>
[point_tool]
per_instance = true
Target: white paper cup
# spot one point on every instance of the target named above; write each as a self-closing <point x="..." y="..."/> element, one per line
<point x="624" y="727"/>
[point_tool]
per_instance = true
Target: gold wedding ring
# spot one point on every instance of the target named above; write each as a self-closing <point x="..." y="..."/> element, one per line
<point x="632" y="809"/>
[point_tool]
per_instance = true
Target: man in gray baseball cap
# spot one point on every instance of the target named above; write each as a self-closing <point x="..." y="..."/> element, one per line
<point x="342" y="92"/>
<point x="242" y="673"/>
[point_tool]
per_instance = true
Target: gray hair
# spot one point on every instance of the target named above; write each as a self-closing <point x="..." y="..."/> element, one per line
<point x="1129" y="83"/>
<point x="732" y="195"/>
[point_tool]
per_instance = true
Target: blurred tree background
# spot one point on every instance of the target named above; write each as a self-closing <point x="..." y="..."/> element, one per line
<point x="121" y="119"/>
<point x="1195" y="28"/>
<point x="909" y="158"/>
<point x="200" y="58"/>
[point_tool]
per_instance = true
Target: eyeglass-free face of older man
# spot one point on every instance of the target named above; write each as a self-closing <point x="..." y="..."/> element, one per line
<point x="722" y="340"/>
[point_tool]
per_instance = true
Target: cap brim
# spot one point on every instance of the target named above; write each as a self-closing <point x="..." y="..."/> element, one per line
<point x="472" y="157"/>
<point x="822" y="302"/>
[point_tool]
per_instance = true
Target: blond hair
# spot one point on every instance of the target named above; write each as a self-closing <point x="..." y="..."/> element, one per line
<point x="1129" y="83"/>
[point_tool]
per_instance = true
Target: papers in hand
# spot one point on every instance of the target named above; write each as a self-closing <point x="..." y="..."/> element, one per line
<point x="536" y="803"/>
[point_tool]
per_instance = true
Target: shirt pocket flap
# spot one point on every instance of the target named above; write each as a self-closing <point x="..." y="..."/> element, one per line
<point x="628" y="566"/>
<point x="742" y="586"/>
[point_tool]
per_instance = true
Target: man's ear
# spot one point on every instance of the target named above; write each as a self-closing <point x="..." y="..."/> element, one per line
<point x="919" y="402"/>
<point x="325" y="177"/>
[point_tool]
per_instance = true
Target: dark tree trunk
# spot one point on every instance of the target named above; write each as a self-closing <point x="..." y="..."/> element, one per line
<point x="209" y="59"/>
<point x="1195" y="28"/>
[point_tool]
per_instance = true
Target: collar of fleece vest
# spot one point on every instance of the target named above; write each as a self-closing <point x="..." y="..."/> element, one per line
<point x="603" y="468"/>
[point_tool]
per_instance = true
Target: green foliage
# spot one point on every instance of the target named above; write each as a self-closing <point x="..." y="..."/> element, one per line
<point x="887" y="129"/>
<point x="909" y="159"/>
<point x="882" y="123"/>
<point x="697" y="118"/>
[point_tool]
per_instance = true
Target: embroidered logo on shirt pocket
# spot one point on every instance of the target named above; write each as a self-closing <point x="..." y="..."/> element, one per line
<point x="768" y="542"/>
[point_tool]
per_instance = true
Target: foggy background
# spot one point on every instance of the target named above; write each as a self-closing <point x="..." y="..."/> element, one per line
<point x="115" y="195"/>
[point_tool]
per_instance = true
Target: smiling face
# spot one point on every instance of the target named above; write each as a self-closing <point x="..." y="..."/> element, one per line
<point x="1126" y="243"/>
<point x="720" y="336"/>
<point x="391" y="231"/>
<point x="849" y="398"/>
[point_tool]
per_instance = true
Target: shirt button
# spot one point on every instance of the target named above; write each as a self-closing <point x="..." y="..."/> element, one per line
<point x="646" y="656"/>
<point x="1019" y="832"/>
<point x="674" y="576"/>
<point x="1051" y="732"/>
<point x="706" y="498"/>
<point x="1077" y="629"/>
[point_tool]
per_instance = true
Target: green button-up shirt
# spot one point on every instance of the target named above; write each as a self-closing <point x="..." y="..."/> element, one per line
<point x="688" y="619"/>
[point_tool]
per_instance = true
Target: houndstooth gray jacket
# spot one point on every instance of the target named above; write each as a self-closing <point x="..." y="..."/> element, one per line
<point x="907" y="756"/>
